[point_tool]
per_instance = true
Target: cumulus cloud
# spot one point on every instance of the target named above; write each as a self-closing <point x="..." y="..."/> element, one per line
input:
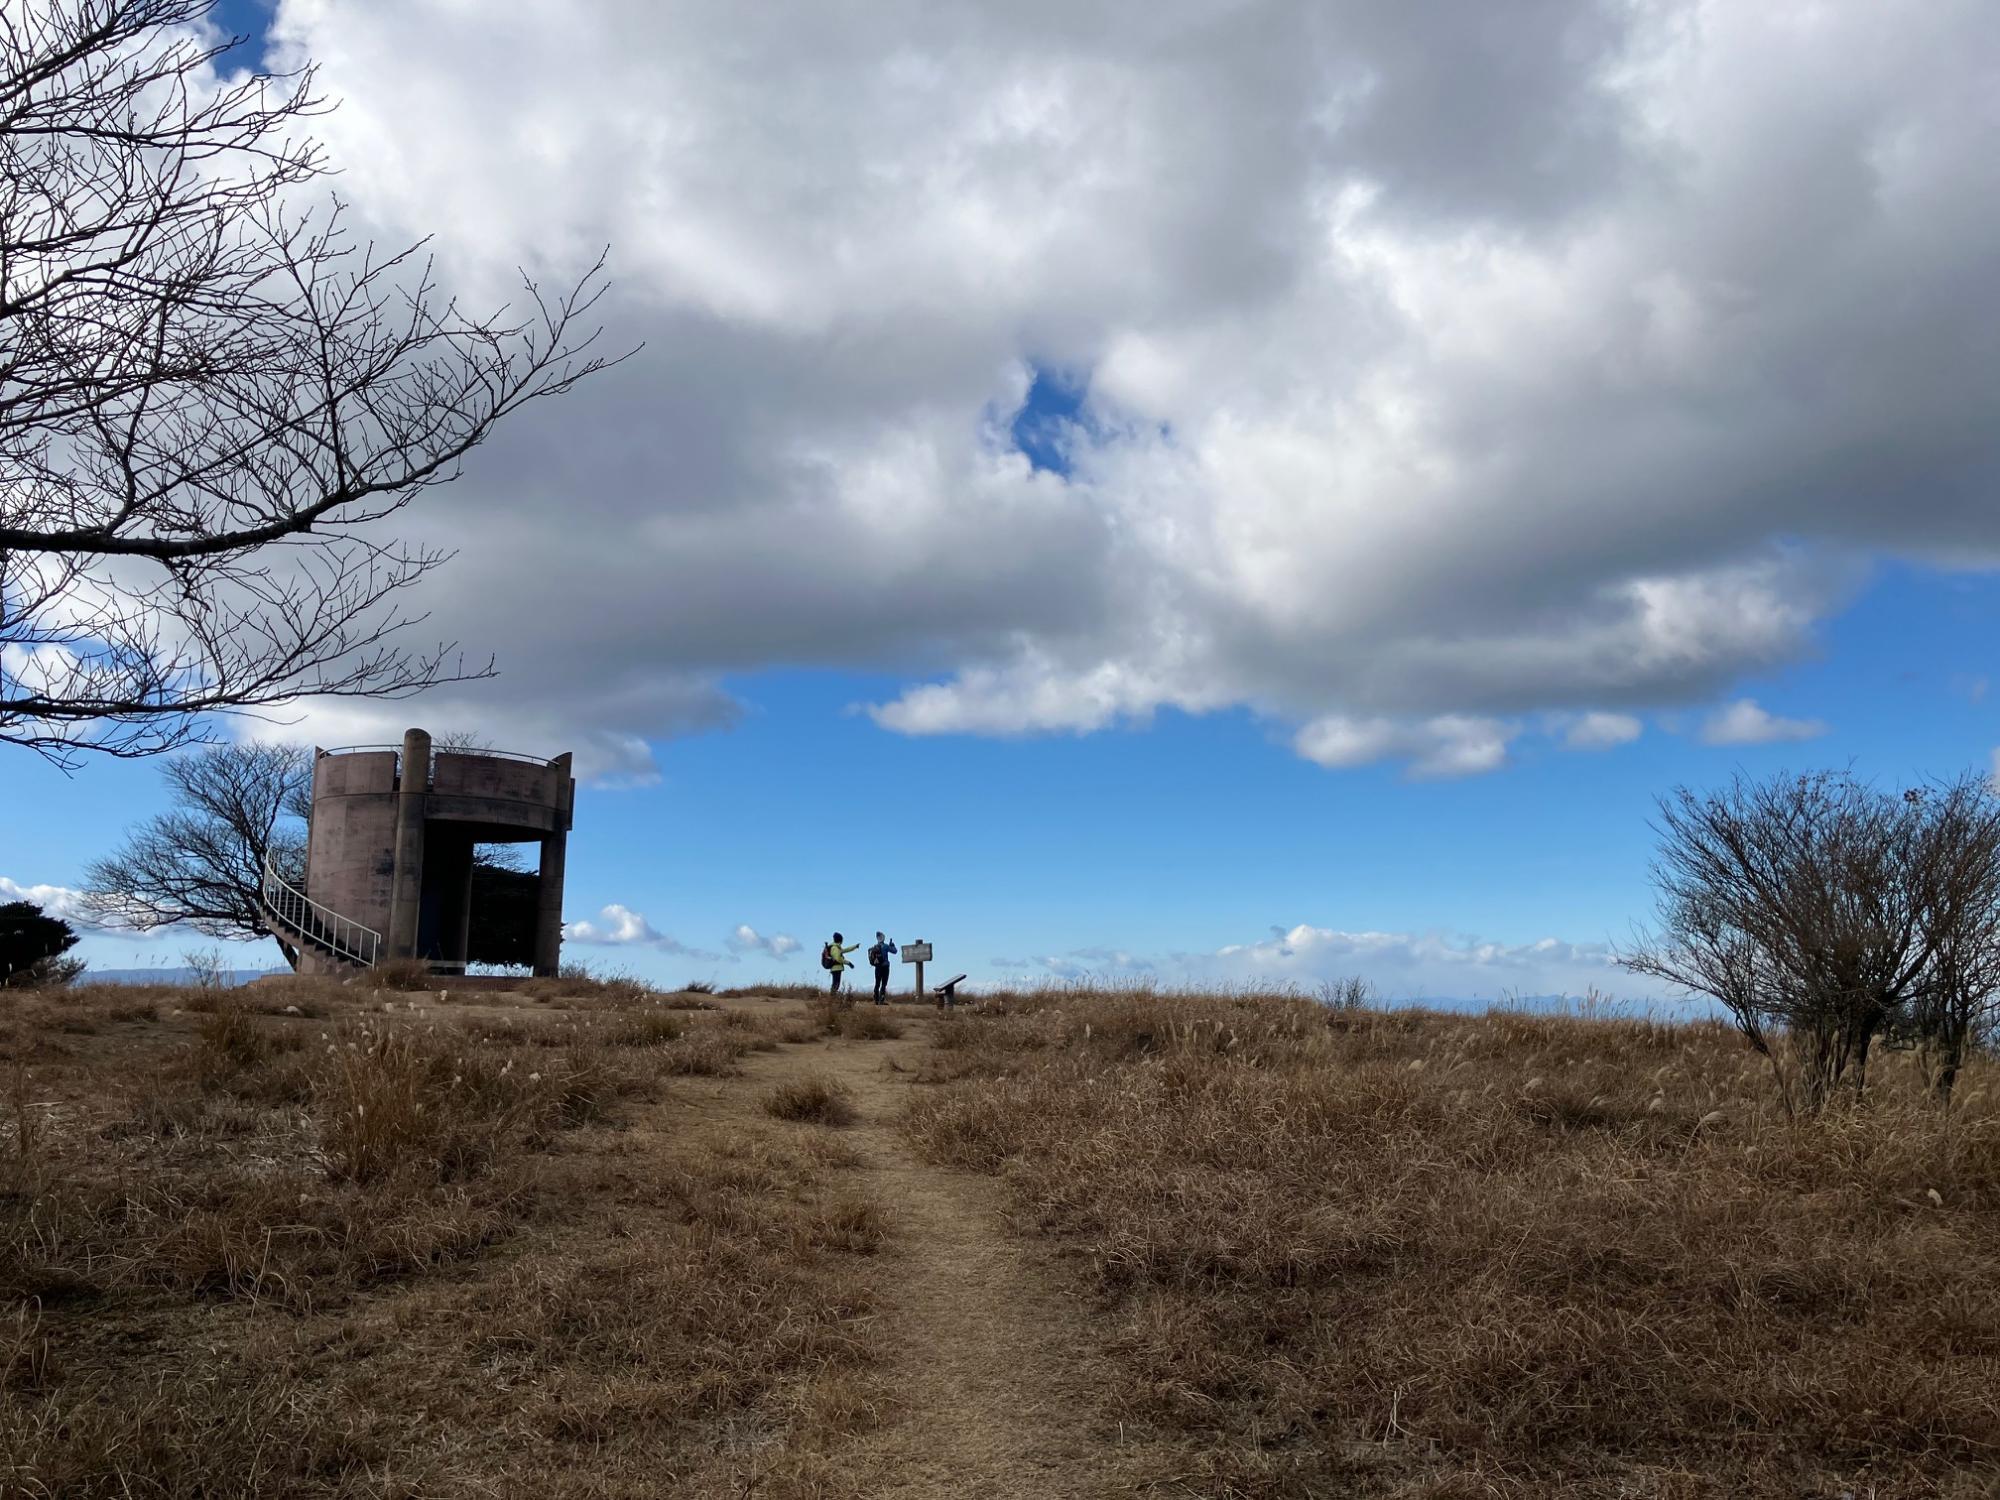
<point x="64" y="902"/>
<point x="1448" y="745"/>
<point x="614" y="924"/>
<point x="747" y="939"/>
<point x="1407" y="425"/>
<point x="1746" y="722"/>
<point x="617" y="926"/>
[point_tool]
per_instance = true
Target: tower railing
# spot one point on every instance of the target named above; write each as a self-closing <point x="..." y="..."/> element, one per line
<point x="286" y="906"/>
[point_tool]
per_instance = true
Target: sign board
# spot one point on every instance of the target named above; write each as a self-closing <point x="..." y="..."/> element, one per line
<point x="916" y="953"/>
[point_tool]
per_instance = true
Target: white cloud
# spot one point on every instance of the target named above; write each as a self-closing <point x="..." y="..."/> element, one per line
<point x="617" y="926"/>
<point x="54" y="900"/>
<point x="1397" y="416"/>
<point x="1746" y="722"/>
<point x="1401" y="965"/>
<point x="1445" y="746"/>
<point x="1601" y="731"/>
<point x="614" y="924"/>
<point x="1407" y="965"/>
<point x="747" y="939"/>
<point x="61" y="901"/>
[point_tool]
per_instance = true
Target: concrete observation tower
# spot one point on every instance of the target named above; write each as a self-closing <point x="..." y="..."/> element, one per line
<point x="389" y="870"/>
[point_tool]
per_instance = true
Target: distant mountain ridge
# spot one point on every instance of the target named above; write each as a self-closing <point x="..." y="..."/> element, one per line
<point x="169" y="976"/>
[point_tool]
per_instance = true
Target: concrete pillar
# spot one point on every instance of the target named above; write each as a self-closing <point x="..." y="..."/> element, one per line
<point x="406" y="899"/>
<point x="555" y="853"/>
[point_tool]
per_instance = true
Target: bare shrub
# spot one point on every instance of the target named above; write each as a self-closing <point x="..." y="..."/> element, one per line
<point x="1822" y="914"/>
<point x="207" y="970"/>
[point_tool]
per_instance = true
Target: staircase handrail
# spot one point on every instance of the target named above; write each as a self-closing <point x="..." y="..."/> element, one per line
<point x="289" y="907"/>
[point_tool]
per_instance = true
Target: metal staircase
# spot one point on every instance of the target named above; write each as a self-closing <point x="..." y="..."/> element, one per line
<point x="291" y="914"/>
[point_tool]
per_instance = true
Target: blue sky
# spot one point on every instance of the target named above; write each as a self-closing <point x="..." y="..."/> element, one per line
<point x="1151" y="495"/>
<point x="1185" y="836"/>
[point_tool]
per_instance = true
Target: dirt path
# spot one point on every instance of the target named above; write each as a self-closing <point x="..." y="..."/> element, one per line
<point x="986" y="1352"/>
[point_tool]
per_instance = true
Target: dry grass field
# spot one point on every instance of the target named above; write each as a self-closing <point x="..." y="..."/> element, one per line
<point x="304" y="1240"/>
<point x="587" y="1240"/>
<point x="1363" y="1253"/>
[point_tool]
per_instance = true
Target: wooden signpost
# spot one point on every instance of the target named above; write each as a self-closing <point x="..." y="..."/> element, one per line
<point x="918" y="953"/>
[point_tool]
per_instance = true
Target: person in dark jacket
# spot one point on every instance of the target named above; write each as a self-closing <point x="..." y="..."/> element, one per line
<point x="879" y="955"/>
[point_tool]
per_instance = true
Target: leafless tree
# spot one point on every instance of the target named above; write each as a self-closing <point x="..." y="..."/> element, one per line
<point x="1824" y="914"/>
<point x="202" y="862"/>
<point x="1779" y="899"/>
<point x="209" y="391"/>
<point x="1957" y="1005"/>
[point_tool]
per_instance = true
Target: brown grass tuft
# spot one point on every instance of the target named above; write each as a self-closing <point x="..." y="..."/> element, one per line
<point x="815" y="1100"/>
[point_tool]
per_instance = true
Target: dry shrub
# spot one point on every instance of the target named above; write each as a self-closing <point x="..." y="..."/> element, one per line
<point x="868" y="1024"/>
<point x="1400" y="1254"/>
<point x="856" y="1021"/>
<point x="389" y="1101"/>
<point x="230" y="1039"/>
<point x="817" y="1100"/>
<point x="623" y="989"/>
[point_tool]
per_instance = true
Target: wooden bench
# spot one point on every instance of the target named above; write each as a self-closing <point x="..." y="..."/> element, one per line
<point x="947" y="992"/>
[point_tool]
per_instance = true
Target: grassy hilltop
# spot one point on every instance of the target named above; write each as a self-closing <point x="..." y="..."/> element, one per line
<point x="592" y="1240"/>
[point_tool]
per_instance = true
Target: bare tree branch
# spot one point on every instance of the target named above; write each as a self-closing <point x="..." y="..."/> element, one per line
<point x="207" y="394"/>
<point x="1824" y="914"/>
<point x="202" y="862"/>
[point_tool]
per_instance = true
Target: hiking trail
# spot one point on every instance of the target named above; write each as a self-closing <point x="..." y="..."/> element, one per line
<point x="984" y="1347"/>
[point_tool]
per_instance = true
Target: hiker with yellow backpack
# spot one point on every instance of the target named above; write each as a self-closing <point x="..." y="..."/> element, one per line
<point x="834" y="957"/>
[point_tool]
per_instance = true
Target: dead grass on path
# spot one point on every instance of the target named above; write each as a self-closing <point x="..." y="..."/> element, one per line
<point x="1423" y="1255"/>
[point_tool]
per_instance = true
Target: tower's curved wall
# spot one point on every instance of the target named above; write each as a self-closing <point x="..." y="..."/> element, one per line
<point x="391" y="840"/>
<point x="351" y="849"/>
